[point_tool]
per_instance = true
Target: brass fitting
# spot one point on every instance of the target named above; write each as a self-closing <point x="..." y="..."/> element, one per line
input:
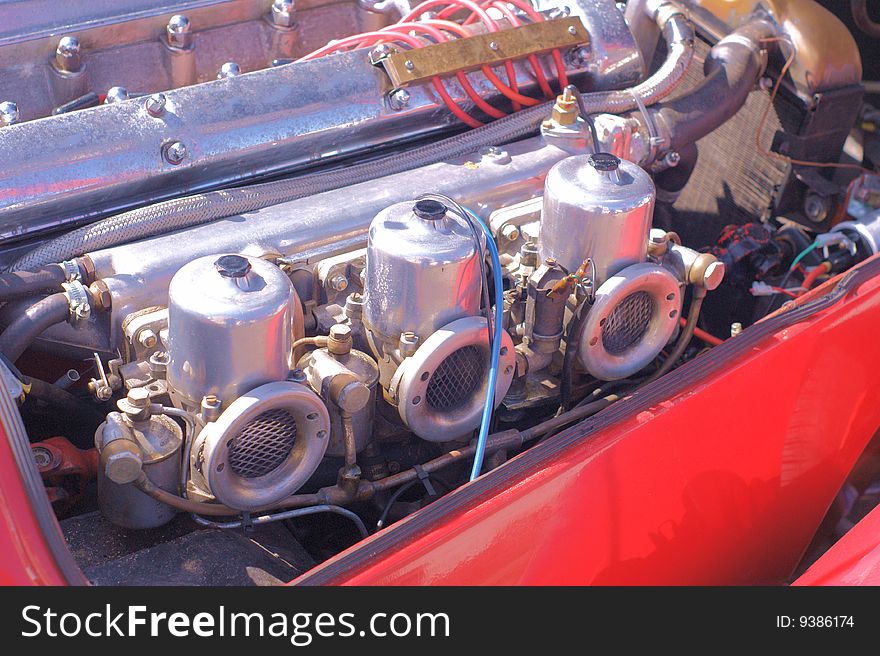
<point x="340" y="339"/>
<point x="565" y="111"/>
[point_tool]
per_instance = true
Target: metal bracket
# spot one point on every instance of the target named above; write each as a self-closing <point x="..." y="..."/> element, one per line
<point x="408" y="67"/>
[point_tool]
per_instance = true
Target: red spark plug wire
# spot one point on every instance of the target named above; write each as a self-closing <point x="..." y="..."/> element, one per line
<point x="437" y="29"/>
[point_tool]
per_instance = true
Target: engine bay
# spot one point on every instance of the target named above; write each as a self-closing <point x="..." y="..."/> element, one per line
<point x="277" y="275"/>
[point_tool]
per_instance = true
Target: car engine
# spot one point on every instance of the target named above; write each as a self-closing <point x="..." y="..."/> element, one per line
<point x="294" y="270"/>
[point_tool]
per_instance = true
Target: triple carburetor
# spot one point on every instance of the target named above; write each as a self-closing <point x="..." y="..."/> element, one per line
<point x="262" y="404"/>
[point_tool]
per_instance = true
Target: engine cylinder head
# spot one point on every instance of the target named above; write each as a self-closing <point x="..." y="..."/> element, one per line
<point x="597" y="206"/>
<point x="231" y="323"/>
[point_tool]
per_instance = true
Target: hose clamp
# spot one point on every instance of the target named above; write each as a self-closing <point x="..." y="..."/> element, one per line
<point x="71" y="270"/>
<point x="655" y="141"/>
<point x="78" y="301"/>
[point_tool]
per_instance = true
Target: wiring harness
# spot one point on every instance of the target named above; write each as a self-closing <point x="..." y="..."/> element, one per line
<point x="432" y="22"/>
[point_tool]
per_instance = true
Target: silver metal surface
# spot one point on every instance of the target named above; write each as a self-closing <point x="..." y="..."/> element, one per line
<point x="421" y="274"/>
<point x="227" y="335"/>
<point x="314" y="228"/>
<point x="10" y="382"/>
<point x="693" y="267"/>
<point x="866" y="230"/>
<point x="603" y="215"/>
<point x="8" y="113"/>
<point x="157" y="442"/>
<point x="633" y="316"/>
<point x="320" y="368"/>
<point x="613" y="49"/>
<point x="86" y="164"/>
<point x="273" y="463"/>
<point x="124" y="41"/>
<point x="440" y="391"/>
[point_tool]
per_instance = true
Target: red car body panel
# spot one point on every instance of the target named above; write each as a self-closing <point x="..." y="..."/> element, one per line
<point x="853" y="560"/>
<point x="723" y="482"/>
<point x="25" y="559"/>
<point x="718" y="473"/>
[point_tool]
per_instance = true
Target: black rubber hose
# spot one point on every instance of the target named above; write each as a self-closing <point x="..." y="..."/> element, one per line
<point x="687" y="334"/>
<point x="60" y="399"/>
<point x="863" y="21"/>
<point x="732" y="68"/>
<point x="53" y="395"/>
<point x="25" y="283"/>
<point x="572" y="346"/>
<point x="37" y="318"/>
<point x="673" y="180"/>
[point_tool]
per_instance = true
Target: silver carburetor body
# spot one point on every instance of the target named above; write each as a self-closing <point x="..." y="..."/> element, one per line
<point x="422" y="273"/>
<point x="230" y="328"/>
<point x="600" y="207"/>
<point x="421" y="312"/>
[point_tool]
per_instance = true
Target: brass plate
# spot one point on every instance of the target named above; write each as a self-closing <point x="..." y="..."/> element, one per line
<point x="420" y="64"/>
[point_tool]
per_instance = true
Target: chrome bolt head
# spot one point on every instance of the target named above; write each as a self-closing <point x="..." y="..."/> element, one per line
<point x="116" y="95"/>
<point x="398" y="99"/>
<point x="510" y="232"/>
<point x="8" y="113"/>
<point x="147" y="338"/>
<point x="179" y="32"/>
<point x="282" y="13"/>
<point x="175" y="152"/>
<point x="339" y="283"/>
<point x="380" y="52"/>
<point x="229" y="69"/>
<point x="155" y="104"/>
<point x="68" y="55"/>
<point x="672" y="159"/>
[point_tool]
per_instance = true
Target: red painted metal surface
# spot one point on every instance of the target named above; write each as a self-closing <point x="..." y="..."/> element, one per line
<point x="65" y="469"/>
<point x="853" y="560"/>
<point x="724" y="482"/>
